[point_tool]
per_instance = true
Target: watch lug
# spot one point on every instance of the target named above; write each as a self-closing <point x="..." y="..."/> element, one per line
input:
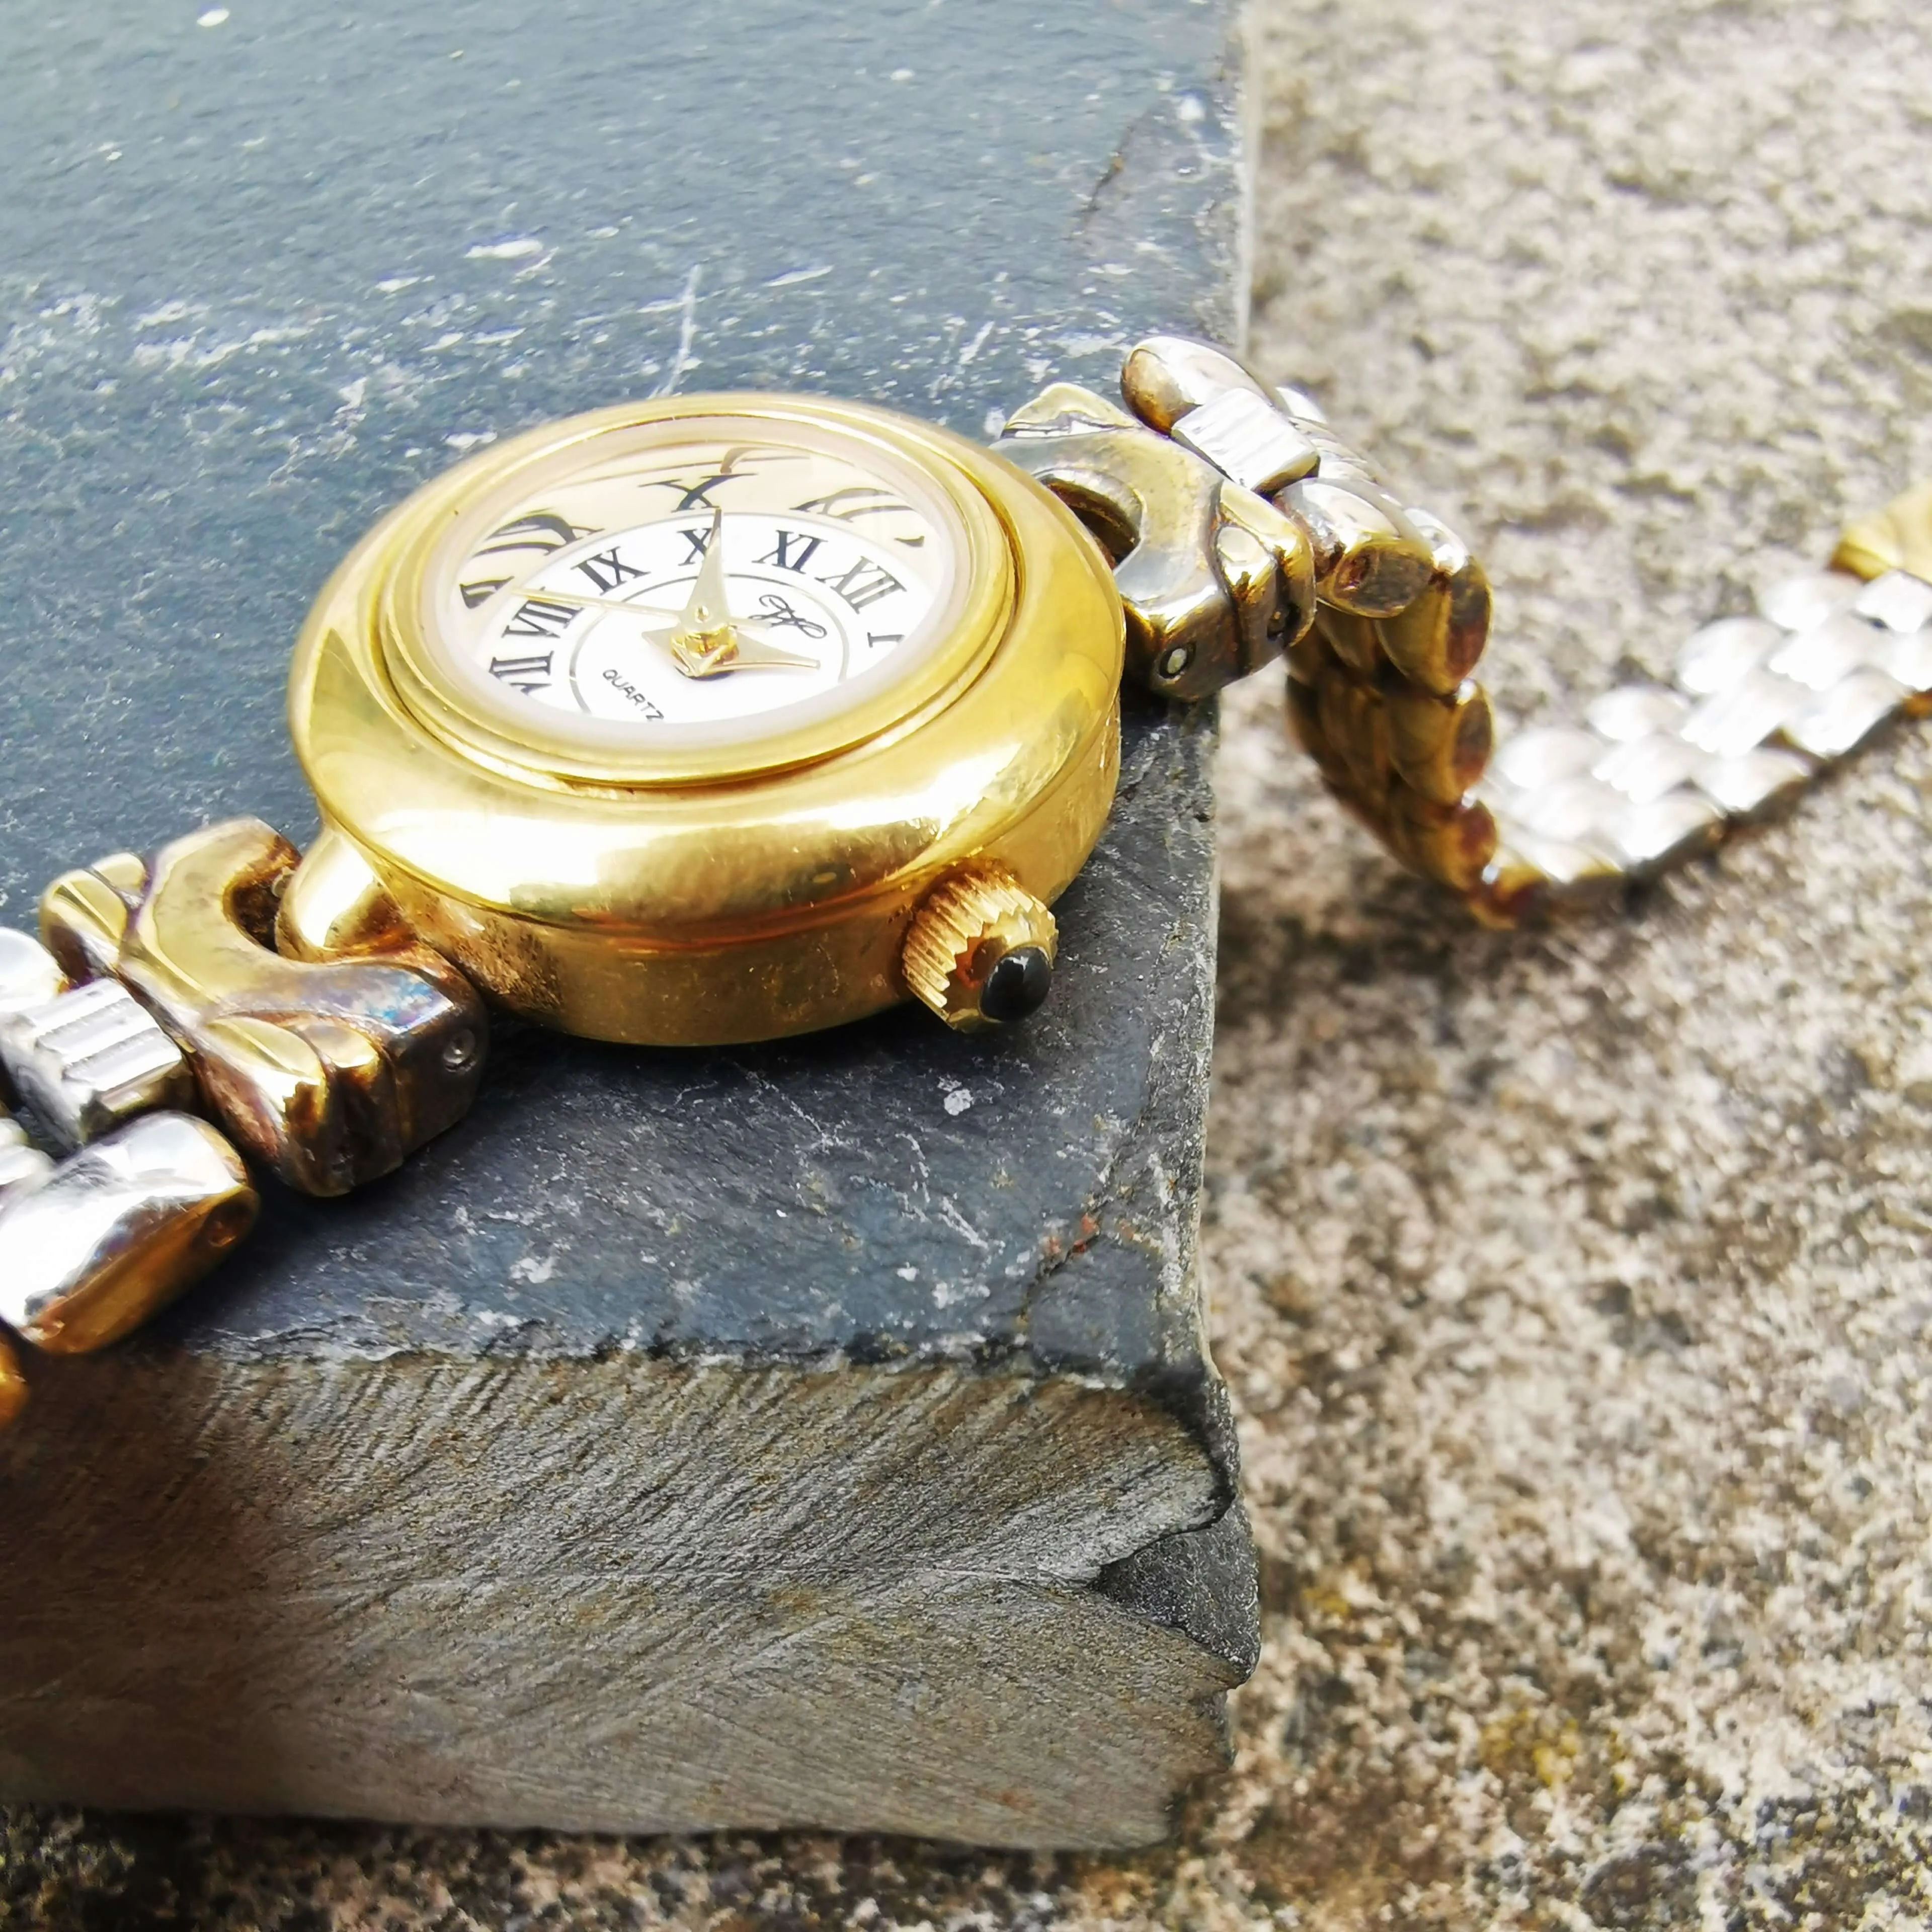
<point x="1214" y="580"/>
<point x="331" y="1073"/>
<point x="334" y="907"/>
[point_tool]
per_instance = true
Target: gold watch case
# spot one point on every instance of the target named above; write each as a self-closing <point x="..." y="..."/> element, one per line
<point x="705" y="893"/>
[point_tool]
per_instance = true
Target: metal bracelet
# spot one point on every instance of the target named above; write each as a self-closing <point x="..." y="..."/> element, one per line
<point x="1756" y="707"/>
<point x="93" y="1244"/>
<point x="1379" y="661"/>
<point x="1214" y="580"/>
<point x="331" y="1073"/>
<point x="163" y="997"/>
<point x="1380" y="691"/>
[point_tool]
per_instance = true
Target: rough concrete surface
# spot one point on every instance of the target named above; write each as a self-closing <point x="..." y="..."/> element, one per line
<point x="1573" y="1288"/>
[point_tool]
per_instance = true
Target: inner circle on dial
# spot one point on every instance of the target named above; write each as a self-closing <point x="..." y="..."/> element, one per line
<point x="690" y="588"/>
<point x="614" y="626"/>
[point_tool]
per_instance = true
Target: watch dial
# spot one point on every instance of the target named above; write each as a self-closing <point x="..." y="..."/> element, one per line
<point x="700" y="585"/>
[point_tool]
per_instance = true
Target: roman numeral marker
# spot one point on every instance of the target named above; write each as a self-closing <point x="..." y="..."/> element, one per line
<point x="793" y="550"/>
<point x="607" y="569"/>
<point x="531" y="674"/>
<point x="696" y="543"/>
<point x="697" y="496"/>
<point x="865" y="582"/>
<point x="863" y="499"/>
<point x="538" y="617"/>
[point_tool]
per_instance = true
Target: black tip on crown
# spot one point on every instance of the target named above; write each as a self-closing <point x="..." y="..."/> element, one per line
<point x="1018" y="984"/>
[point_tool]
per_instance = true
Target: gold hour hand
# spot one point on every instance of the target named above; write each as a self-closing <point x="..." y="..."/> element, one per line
<point x="703" y="642"/>
<point x="731" y="647"/>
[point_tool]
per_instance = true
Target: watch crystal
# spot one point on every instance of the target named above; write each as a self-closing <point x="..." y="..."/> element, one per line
<point x="705" y="586"/>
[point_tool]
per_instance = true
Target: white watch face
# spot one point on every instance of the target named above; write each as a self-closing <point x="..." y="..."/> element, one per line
<point x="706" y="587"/>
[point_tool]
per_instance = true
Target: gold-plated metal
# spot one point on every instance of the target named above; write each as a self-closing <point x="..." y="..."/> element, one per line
<point x="331" y="1074"/>
<point x="1167" y="377"/>
<point x="1434" y="640"/>
<point x="658" y="898"/>
<point x="334" y="907"/>
<point x="12" y="1385"/>
<point x="1379" y="691"/>
<point x="706" y="640"/>
<point x="1898" y="537"/>
<point x="1439" y="745"/>
<point x="1370" y="557"/>
<point x="117" y="1231"/>
<point x="980" y="952"/>
<point x="1215" y="582"/>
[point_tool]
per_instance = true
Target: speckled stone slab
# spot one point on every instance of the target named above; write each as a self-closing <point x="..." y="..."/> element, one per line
<point x="818" y="1435"/>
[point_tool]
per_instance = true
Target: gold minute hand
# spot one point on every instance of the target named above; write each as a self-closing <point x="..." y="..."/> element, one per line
<point x="582" y="600"/>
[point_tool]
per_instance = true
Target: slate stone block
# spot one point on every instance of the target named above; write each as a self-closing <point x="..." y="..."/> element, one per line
<point x="817" y="1434"/>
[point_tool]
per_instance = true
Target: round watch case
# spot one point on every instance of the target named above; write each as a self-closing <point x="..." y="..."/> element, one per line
<point x="705" y="888"/>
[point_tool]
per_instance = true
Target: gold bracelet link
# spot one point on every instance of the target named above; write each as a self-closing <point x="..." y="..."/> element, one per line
<point x="330" y="1073"/>
<point x="1214" y="580"/>
<point x="1379" y="686"/>
<point x="1381" y="694"/>
<point x="158" y="996"/>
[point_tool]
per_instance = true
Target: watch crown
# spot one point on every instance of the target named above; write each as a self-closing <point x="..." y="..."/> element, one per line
<point x="980" y="951"/>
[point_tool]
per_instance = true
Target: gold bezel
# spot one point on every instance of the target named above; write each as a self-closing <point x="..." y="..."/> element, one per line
<point x="720" y="905"/>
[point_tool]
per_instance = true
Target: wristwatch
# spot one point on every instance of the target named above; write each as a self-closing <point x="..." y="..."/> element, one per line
<point x="715" y="718"/>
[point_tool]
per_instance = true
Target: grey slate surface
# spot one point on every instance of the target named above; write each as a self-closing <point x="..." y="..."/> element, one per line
<point x="263" y="275"/>
<point x="263" y="271"/>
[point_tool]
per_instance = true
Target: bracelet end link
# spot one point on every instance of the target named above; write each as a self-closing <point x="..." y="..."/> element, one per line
<point x="1898" y="537"/>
